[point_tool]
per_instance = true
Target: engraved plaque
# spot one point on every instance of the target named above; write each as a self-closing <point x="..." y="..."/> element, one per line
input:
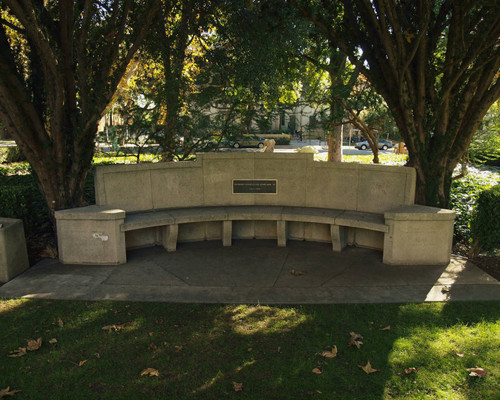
<point x="255" y="186"/>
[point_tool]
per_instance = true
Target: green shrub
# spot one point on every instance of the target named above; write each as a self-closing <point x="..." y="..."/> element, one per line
<point x="463" y="198"/>
<point x="19" y="168"/>
<point x="21" y="198"/>
<point x="11" y="154"/>
<point x="485" y="149"/>
<point x="485" y="224"/>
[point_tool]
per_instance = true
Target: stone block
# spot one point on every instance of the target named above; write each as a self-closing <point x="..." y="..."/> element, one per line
<point x="127" y="187"/>
<point x="177" y="184"/>
<point x="383" y="187"/>
<point x="332" y="185"/>
<point x="170" y="234"/>
<point x="91" y="235"/>
<point x="418" y="235"/>
<point x="356" y="219"/>
<point x="13" y="253"/>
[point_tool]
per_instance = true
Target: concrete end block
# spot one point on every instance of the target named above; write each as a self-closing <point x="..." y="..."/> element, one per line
<point x="418" y="235"/>
<point x="91" y="235"/>
<point x="13" y="253"/>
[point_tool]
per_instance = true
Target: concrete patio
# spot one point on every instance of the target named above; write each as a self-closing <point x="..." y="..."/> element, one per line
<point x="255" y="271"/>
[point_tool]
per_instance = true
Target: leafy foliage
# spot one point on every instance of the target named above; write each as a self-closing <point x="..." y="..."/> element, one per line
<point x="20" y="198"/>
<point x="485" y="225"/>
<point x="463" y="199"/>
<point x="485" y="146"/>
<point x="436" y="65"/>
<point x="11" y="154"/>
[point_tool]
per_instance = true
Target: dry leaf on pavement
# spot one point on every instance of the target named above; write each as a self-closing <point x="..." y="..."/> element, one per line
<point x="295" y="272"/>
<point x="368" y="368"/>
<point x="150" y="372"/>
<point x="238" y="386"/>
<point x="49" y="252"/>
<point x="21" y="351"/>
<point x="330" y="353"/>
<point x="34" y="344"/>
<point x="478" y="372"/>
<point x="7" y="392"/>
<point x="354" y="340"/>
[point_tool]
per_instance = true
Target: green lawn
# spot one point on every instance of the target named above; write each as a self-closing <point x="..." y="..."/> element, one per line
<point x="198" y="351"/>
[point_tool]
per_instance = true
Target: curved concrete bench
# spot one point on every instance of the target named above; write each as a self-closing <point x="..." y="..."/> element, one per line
<point x="343" y="204"/>
<point x="337" y="219"/>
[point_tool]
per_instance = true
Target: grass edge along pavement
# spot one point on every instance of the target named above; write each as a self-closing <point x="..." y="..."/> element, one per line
<point x="156" y="350"/>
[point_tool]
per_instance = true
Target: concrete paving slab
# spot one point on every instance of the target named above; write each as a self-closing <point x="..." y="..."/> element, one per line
<point x="255" y="271"/>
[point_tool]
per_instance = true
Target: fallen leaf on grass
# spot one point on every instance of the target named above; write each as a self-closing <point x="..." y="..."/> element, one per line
<point x="59" y="323"/>
<point x="53" y="341"/>
<point x="317" y="371"/>
<point x="150" y="372"/>
<point x="7" y="392"/>
<point x="408" y="371"/>
<point x="34" y="344"/>
<point x="238" y="386"/>
<point x="330" y="353"/>
<point x="354" y="340"/>
<point x="21" y="351"/>
<point x="178" y="348"/>
<point x="387" y="328"/>
<point x="460" y="354"/>
<point x="368" y="368"/>
<point x="296" y="273"/>
<point x="478" y="372"/>
<point x="82" y="363"/>
<point x="153" y="346"/>
<point x="116" y="327"/>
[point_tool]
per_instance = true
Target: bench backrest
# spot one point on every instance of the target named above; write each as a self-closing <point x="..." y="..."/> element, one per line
<point x="300" y="182"/>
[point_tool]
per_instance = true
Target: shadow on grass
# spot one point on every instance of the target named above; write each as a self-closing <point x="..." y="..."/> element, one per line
<point x="200" y="350"/>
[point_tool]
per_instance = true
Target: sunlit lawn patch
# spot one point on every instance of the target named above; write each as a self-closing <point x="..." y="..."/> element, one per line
<point x="387" y="159"/>
<point x="152" y="350"/>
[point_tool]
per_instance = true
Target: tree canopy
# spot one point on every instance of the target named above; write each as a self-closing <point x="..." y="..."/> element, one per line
<point x="60" y="64"/>
<point x="435" y="63"/>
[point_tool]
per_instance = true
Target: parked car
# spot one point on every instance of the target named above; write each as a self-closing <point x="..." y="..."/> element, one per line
<point x="382" y="145"/>
<point x="357" y="139"/>
<point x="248" y="141"/>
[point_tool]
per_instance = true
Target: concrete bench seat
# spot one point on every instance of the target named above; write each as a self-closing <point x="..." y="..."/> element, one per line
<point x="170" y="219"/>
<point x="255" y="195"/>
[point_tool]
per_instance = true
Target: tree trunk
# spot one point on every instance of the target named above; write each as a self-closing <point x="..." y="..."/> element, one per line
<point x="436" y="65"/>
<point x="335" y="143"/>
<point x="51" y="105"/>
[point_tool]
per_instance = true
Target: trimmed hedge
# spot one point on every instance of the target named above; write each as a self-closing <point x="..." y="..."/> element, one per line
<point x="21" y="198"/>
<point x="485" y="224"/>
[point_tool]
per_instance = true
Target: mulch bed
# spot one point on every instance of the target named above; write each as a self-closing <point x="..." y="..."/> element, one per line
<point x="489" y="264"/>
